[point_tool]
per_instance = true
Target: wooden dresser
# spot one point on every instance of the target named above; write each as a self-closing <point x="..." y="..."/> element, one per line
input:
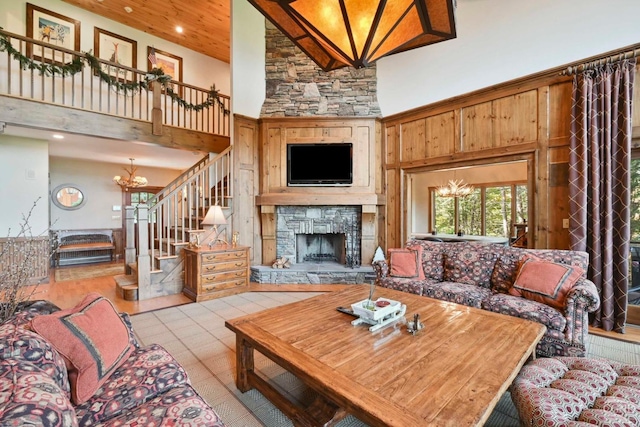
<point x="217" y="272"/>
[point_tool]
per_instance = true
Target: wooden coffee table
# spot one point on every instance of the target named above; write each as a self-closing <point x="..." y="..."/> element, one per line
<point x="453" y="372"/>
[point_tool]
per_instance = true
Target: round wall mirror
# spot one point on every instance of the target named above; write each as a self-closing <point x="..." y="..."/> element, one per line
<point x="68" y="196"/>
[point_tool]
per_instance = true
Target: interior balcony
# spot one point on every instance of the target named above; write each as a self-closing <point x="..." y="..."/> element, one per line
<point x="43" y="86"/>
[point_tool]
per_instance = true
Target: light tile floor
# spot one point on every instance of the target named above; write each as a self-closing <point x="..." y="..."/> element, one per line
<point x="196" y="336"/>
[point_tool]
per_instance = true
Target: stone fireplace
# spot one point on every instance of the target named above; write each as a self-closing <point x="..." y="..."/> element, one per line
<point x="322" y="243"/>
<point x="319" y="234"/>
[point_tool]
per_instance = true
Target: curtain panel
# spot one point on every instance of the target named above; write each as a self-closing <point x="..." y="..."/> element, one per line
<point x="599" y="181"/>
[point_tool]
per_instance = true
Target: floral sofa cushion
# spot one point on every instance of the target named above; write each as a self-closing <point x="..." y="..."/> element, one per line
<point x="460" y="293"/>
<point x="180" y="406"/>
<point x="20" y="344"/>
<point x="146" y="374"/>
<point x="30" y="397"/>
<point x="526" y="309"/>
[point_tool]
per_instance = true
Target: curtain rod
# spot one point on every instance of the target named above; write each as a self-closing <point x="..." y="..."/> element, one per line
<point x="574" y="69"/>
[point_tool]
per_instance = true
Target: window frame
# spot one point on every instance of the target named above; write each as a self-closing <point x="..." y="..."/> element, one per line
<point x="483" y="199"/>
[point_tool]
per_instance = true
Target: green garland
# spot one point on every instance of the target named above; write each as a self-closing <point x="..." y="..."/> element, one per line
<point x="119" y="85"/>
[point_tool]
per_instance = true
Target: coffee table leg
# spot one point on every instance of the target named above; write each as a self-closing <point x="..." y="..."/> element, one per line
<point x="244" y="362"/>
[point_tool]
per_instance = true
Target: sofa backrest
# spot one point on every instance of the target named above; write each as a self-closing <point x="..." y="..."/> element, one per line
<point x="507" y="258"/>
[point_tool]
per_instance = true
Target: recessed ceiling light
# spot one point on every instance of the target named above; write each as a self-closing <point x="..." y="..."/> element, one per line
<point x="58" y="136"/>
<point x="179" y="29"/>
<point x="128" y="9"/>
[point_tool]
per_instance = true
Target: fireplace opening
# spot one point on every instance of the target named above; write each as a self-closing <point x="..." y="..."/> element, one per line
<point x="320" y="248"/>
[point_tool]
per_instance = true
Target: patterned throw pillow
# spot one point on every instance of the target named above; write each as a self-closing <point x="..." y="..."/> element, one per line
<point x="469" y="264"/>
<point x="92" y="338"/>
<point x="544" y="281"/>
<point x="406" y="263"/>
<point x="433" y="265"/>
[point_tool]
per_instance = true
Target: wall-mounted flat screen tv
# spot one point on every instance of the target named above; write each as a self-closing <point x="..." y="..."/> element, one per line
<point x="319" y="164"/>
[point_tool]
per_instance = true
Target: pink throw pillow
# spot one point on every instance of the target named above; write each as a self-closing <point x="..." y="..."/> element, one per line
<point x="544" y="281"/>
<point x="406" y="263"/>
<point x="93" y="340"/>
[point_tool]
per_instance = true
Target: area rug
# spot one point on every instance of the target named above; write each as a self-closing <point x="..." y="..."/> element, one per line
<point x="88" y="272"/>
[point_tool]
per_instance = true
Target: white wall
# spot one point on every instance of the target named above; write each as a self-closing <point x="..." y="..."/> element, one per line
<point x="94" y="180"/>
<point x="498" y="41"/>
<point x="247" y="59"/>
<point x="24" y="177"/>
<point x="199" y="70"/>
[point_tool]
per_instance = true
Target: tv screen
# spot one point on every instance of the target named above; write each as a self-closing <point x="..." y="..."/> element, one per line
<point x="319" y="164"/>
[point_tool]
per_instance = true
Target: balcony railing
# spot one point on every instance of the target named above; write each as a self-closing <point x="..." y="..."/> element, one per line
<point x="87" y="90"/>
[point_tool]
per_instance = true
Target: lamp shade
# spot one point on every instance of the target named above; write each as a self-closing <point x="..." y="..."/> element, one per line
<point x="339" y="33"/>
<point x="214" y="216"/>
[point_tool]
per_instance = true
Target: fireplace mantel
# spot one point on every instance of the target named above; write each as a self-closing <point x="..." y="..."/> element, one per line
<point x="292" y="199"/>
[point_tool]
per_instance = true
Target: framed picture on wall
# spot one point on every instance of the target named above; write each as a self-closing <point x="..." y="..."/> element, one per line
<point x="169" y="64"/>
<point x="51" y="27"/>
<point x="119" y="50"/>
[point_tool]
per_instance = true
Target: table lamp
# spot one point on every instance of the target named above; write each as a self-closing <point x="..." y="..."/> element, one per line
<point x="215" y="217"/>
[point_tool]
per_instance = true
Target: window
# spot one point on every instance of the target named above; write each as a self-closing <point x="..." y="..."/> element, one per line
<point x="489" y="210"/>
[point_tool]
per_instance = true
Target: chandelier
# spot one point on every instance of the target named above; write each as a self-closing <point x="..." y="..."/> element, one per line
<point x="339" y="33"/>
<point x="133" y="181"/>
<point x="454" y="189"/>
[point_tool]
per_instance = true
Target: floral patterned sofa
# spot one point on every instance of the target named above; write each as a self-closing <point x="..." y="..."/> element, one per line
<point x="484" y="276"/>
<point x="147" y="387"/>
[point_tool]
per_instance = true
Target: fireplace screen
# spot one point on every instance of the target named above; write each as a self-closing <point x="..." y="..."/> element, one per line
<point x="320" y="248"/>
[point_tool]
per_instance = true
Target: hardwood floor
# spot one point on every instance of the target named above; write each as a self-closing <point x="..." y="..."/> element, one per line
<point x="69" y="293"/>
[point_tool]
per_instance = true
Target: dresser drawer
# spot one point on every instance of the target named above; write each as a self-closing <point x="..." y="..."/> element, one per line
<point x="223" y="276"/>
<point x="223" y="285"/>
<point x="224" y="266"/>
<point x="224" y="256"/>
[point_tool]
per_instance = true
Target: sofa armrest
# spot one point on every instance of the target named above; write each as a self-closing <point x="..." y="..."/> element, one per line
<point x="581" y="300"/>
<point x="584" y="295"/>
<point x="381" y="268"/>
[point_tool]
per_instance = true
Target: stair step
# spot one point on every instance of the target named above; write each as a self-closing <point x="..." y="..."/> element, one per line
<point x="166" y="257"/>
<point x="127" y="287"/>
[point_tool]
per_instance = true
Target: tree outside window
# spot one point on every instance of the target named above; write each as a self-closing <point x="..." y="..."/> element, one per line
<point x="488" y="211"/>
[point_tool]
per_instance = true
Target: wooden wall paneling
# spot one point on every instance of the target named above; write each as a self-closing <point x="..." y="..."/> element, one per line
<point x="477" y="127"/>
<point x="378" y="157"/>
<point x="275" y="149"/>
<point x="560" y="112"/>
<point x="558" y="197"/>
<point x="319" y="134"/>
<point x="516" y="119"/>
<point x="246" y="219"/>
<point x="412" y="140"/>
<point x="268" y="219"/>
<point x="532" y="186"/>
<point x="392" y="210"/>
<point x="362" y="151"/>
<point x="368" y="242"/>
<point x="32" y="254"/>
<point x="391" y="145"/>
<point x="542" y="182"/>
<point x="440" y="135"/>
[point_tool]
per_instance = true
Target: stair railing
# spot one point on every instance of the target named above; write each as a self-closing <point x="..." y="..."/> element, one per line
<point x="177" y="211"/>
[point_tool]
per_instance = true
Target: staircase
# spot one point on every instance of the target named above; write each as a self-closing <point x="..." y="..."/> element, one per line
<point x="158" y="231"/>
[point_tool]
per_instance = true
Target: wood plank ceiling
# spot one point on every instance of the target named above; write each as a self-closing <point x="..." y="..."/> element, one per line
<point x="206" y="23"/>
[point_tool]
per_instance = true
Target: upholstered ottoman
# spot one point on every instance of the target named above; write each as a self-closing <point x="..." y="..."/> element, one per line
<point x="576" y="391"/>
